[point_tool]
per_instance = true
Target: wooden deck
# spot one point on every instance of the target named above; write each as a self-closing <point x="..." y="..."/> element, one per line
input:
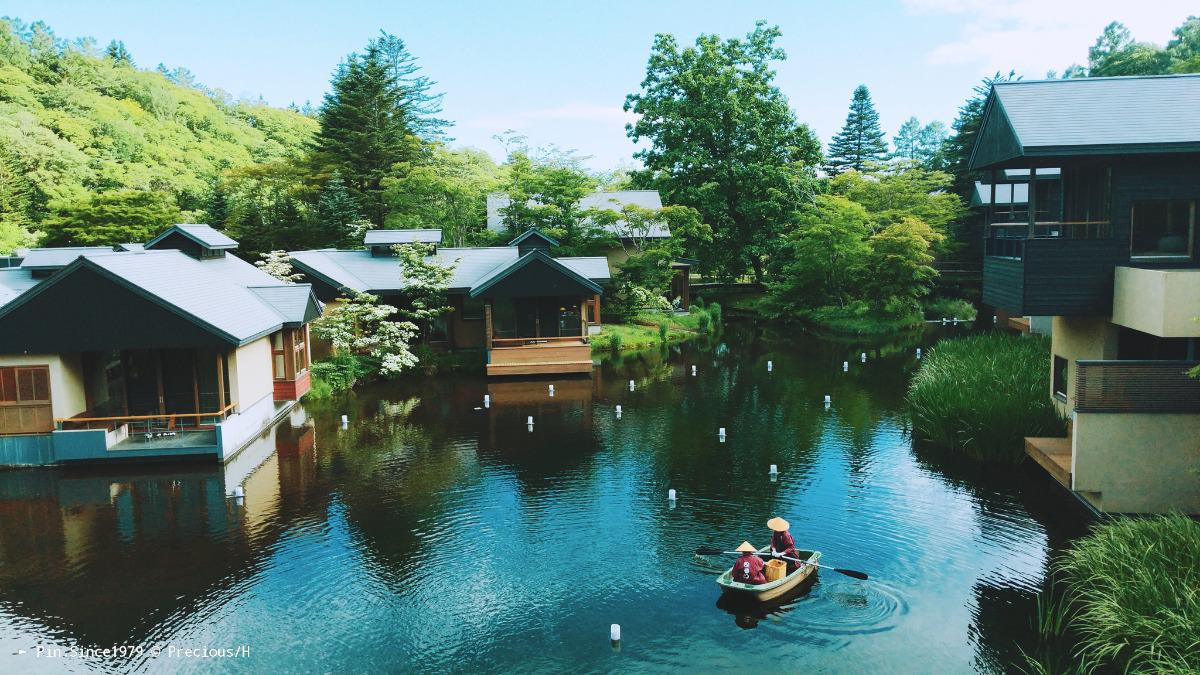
<point x="572" y="356"/>
<point x="1054" y="455"/>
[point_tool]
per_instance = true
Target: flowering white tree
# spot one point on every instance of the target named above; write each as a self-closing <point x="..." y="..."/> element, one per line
<point x="279" y="265"/>
<point x="363" y="327"/>
<point x="425" y="282"/>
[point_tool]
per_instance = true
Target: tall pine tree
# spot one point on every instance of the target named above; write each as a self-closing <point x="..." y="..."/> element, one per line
<point x="861" y="139"/>
<point x="378" y="113"/>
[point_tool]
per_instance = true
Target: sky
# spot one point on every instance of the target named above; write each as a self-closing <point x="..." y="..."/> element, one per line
<point x="558" y="72"/>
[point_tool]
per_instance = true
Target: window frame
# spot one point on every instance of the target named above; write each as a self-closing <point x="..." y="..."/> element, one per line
<point x="1060" y="371"/>
<point x="1189" y="247"/>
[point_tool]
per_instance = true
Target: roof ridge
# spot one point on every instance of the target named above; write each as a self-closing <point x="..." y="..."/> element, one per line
<point x="1109" y="78"/>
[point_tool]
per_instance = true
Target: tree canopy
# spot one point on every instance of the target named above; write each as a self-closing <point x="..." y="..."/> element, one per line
<point x="860" y="142"/>
<point x="724" y="141"/>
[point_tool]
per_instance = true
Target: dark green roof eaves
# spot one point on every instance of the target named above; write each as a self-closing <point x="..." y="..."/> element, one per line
<point x="989" y="109"/>
<point x="84" y="262"/>
<point x="531" y="232"/>
<point x="182" y="230"/>
<point x="527" y="259"/>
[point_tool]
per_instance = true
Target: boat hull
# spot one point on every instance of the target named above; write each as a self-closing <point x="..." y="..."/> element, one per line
<point x="774" y="589"/>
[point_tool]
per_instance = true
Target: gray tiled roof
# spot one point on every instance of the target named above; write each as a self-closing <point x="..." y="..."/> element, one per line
<point x="15" y="281"/>
<point x="647" y="199"/>
<point x="202" y="234"/>
<point x="290" y="301"/>
<point x="363" y="272"/>
<point x="392" y="237"/>
<point x="1107" y="111"/>
<point x="51" y="258"/>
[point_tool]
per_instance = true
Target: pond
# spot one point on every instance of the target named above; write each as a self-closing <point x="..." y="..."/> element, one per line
<point x="432" y="532"/>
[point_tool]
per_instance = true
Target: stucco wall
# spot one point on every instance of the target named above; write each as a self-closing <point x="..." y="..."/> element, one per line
<point x="250" y="374"/>
<point x="1138" y="463"/>
<point x="1159" y="302"/>
<point x="67" y="394"/>
<point x="1079" y="338"/>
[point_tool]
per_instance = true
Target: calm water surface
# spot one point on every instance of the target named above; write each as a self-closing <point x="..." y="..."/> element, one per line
<point x="435" y="534"/>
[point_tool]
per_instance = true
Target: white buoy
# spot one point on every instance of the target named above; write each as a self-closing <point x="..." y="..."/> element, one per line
<point x="956" y="321"/>
<point x="345" y="422"/>
<point x="721" y="434"/>
<point x="774" y="478"/>
<point x="614" y="632"/>
<point x="487" y="400"/>
<point x="994" y="319"/>
<point x="845" y="366"/>
<point x="671" y="494"/>
<point x="918" y="352"/>
<point x="774" y="470"/>
<point x="944" y="322"/>
<point x="770" y="366"/>
<point x="529" y="420"/>
<point x="619" y="410"/>
<point x="693" y="371"/>
<point x="551" y="390"/>
<point x="239" y="494"/>
<point x="827" y="399"/>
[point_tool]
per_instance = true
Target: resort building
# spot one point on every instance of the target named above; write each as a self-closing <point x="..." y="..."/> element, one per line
<point x="529" y="311"/>
<point x="174" y="348"/>
<point x="680" y="293"/>
<point x="1106" y="245"/>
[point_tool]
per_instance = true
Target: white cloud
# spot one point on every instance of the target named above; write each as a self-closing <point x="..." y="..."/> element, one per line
<point x="1033" y="36"/>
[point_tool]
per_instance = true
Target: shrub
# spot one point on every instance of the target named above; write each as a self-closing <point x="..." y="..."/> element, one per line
<point x="1135" y="589"/>
<point x="950" y="308"/>
<point x="340" y="371"/>
<point x="615" y="342"/>
<point x="703" y="321"/>
<point x="983" y="394"/>
<point x="714" y="312"/>
<point x="664" y="327"/>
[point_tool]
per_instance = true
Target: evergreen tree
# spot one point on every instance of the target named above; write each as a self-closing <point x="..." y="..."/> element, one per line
<point x="956" y="150"/>
<point x="378" y="113"/>
<point x="907" y="140"/>
<point x="336" y="211"/>
<point x="119" y="55"/>
<point x="861" y="140"/>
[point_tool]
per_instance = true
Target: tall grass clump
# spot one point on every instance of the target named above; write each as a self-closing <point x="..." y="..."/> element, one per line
<point x="664" y="330"/>
<point x="703" y="322"/>
<point x="1135" y="589"/>
<point x="983" y="394"/>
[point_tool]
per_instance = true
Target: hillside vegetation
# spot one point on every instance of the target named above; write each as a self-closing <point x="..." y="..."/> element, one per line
<point x="77" y="121"/>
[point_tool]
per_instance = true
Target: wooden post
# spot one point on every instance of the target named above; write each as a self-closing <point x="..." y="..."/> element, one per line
<point x="583" y="318"/>
<point x="162" y="404"/>
<point x="220" y="381"/>
<point x="596" y="308"/>
<point x="1032" y="200"/>
<point x="991" y="210"/>
<point x="487" y="324"/>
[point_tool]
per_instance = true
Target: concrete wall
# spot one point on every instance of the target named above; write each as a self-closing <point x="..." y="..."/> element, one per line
<point x="250" y="375"/>
<point x="1137" y="463"/>
<point x="1079" y="338"/>
<point x="67" y="394"/>
<point x="237" y="430"/>
<point x="1159" y="302"/>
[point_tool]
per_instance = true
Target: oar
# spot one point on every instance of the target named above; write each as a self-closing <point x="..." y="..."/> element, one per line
<point x="850" y="573"/>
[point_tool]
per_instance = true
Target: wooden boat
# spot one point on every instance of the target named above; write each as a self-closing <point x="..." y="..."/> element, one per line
<point x="771" y="589"/>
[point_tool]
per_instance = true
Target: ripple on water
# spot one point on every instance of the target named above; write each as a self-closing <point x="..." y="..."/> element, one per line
<point x="844" y="607"/>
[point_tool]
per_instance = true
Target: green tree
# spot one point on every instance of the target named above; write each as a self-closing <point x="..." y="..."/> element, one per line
<point x="449" y="191"/>
<point x="904" y="192"/>
<point x="929" y="144"/>
<point x="724" y="141"/>
<point x="110" y="218"/>
<point x="956" y="151"/>
<point x="426" y="280"/>
<point x="14" y="207"/>
<point x="898" y="268"/>
<point x="860" y="142"/>
<point x="906" y="142"/>
<point x="337" y="214"/>
<point x="823" y="258"/>
<point x="268" y="209"/>
<point x="545" y="195"/>
<point x="1116" y="53"/>
<point x="279" y="265"/>
<point x="366" y="339"/>
<point x="1183" y="50"/>
<point x="119" y="54"/>
<point x="377" y="114"/>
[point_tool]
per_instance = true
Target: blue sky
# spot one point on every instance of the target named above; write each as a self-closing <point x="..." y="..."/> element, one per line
<point x="558" y="72"/>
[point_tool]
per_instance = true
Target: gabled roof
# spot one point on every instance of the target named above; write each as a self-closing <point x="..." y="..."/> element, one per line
<point x="534" y="257"/>
<point x="533" y="233"/>
<point x="15" y="281"/>
<point x="57" y="258"/>
<point x="1089" y="116"/>
<point x="393" y="237"/>
<point x="615" y="201"/>
<point x="294" y="303"/>
<point x="201" y="234"/>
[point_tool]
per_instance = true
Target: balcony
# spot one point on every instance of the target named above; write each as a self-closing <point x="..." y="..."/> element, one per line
<point x="1160" y="302"/>
<point x="1136" y="387"/>
<point x="1051" y="268"/>
<point x="539" y="356"/>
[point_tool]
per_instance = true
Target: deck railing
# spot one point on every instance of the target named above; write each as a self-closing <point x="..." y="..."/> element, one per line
<point x="147" y="423"/>
<point x="535" y="341"/>
<point x="1136" y="386"/>
<point x="1007" y="240"/>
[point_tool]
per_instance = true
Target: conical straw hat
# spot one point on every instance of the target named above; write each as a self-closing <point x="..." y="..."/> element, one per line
<point x="746" y="547"/>
<point x="778" y="524"/>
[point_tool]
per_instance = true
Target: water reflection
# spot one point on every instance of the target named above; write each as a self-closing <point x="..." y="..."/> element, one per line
<point x="435" y="533"/>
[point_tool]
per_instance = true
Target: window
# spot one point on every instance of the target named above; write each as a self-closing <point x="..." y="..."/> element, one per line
<point x="25" y="400"/>
<point x="278" y="367"/>
<point x="299" y="352"/>
<point x="1060" y="377"/>
<point x="472" y="309"/>
<point x="1162" y="229"/>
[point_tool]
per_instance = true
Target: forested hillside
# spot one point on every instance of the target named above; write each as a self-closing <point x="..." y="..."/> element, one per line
<point x="84" y="128"/>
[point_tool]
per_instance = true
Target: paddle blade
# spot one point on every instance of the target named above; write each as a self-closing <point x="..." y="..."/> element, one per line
<point x="851" y="573"/>
<point x="703" y="550"/>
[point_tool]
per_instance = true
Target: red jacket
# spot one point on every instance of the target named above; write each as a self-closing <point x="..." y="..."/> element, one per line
<point x="749" y="569"/>
<point x="783" y="543"/>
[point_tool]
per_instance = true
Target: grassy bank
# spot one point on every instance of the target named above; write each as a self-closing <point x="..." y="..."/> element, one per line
<point x="857" y="319"/>
<point x="982" y="394"/>
<point x="648" y="329"/>
<point x="1133" y="592"/>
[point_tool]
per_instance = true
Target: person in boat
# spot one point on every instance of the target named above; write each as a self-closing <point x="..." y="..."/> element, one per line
<point x="782" y="543"/>
<point x="749" y="567"/>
